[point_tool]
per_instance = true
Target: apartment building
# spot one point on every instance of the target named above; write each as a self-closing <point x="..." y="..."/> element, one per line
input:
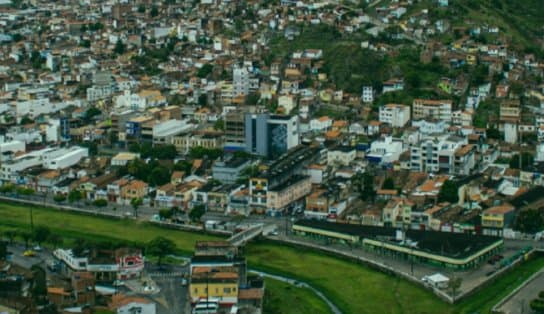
<point x="435" y="109"/>
<point x="395" y="115"/>
<point x="496" y="218"/>
<point x="448" y="154"/>
<point x="281" y="196"/>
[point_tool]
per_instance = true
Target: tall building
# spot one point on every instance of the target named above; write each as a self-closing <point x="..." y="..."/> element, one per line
<point x="395" y="115"/>
<point x="235" y="138"/>
<point x="240" y="81"/>
<point x="270" y="135"/>
<point x="434" y="109"/>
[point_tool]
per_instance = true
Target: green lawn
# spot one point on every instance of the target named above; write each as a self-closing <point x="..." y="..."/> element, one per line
<point x="354" y="288"/>
<point x="283" y="298"/>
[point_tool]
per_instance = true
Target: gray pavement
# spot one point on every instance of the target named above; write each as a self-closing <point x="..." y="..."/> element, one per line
<point x="519" y="302"/>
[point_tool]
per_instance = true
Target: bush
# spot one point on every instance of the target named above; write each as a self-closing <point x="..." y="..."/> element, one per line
<point x="541" y="294"/>
<point x="59" y="198"/>
<point x="100" y="203"/>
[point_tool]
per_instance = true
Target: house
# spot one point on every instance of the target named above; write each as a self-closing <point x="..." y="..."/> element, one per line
<point x="123" y="158"/>
<point x="397" y="212"/>
<point x="342" y="155"/>
<point x="133" y="189"/>
<point x="321" y="124"/>
<point x="393" y="85"/>
<point x="229" y="171"/>
<point x="395" y="115"/>
<point x="496" y="218"/>
<point x="385" y="150"/>
<point x="123" y="304"/>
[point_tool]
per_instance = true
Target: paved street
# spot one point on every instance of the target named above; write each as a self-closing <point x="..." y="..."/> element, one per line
<point x="519" y="303"/>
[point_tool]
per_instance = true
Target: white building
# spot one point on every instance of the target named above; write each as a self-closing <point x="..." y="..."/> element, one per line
<point x="240" y="81"/>
<point x="443" y="153"/>
<point x="12" y="147"/>
<point x="367" y="95"/>
<point x="431" y="126"/>
<point x="434" y="109"/>
<point x="321" y="124"/>
<point x="164" y="132"/>
<point x="343" y="155"/>
<point x="511" y="133"/>
<point x="385" y="150"/>
<point x="395" y="115"/>
<point x="66" y="157"/>
<point x="462" y="117"/>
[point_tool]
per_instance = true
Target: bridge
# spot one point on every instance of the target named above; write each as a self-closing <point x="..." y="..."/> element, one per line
<point x="241" y="238"/>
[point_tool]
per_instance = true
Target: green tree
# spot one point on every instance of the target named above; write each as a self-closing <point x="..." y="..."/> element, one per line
<point x="141" y="8"/>
<point x="154" y="11"/>
<point x="203" y="100"/>
<point x="119" y="47"/>
<point x="388" y="184"/>
<point x="26" y="237"/>
<point x="197" y="212"/>
<point x="252" y="99"/>
<point x="7" y="188"/>
<point x="25" y="191"/>
<point x="448" y="192"/>
<point x="159" y="175"/>
<point x="364" y="183"/>
<point x="204" y="71"/>
<point x="56" y="240"/>
<point x="453" y="285"/>
<point x="40" y="234"/>
<point x="100" y="203"/>
<point x="39" y="284"/>
<point x="530" y="220"/>
<point x="3" y="250"/>
<point x="527" y="159"/>
<point x="166" y="213"/>
<point x="75" y="196"/>
<point x="219" y="125"/>
<point x="10" y="234"/>
<point x="59" y="198"/>
<point x="160" y="247"/>
<point x="136" y="203"/>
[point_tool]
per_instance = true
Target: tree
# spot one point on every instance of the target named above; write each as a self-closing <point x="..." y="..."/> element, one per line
<point x="39" y="284"/>
<point x="166" y="213"/>
<point x="197" y="212"/>
<point x="448" y="192"/>
<point x="364" y="184"/>
<point x="160" y="247"/>
<point x="154" y="11"/>
<point x="3" y="250"/>
<point x="454" y="284"/>
<point x="159" y="175"/>
<point x="527" y="159"/>
<point x="11" y="235"/>
<point x="75" y="196"/>
<point x="56" y="240"/>
<point x="219" y="125"/>
<point x="7" y="188"/>
<point x="388" y="184"/>
<point x="203" y="100"/>
<point x="141" y="8"/>
<point x="204" y="71"/>
<point x="26" y="237"/>
<point x="493" y="133"/>
<point x="40" y="234"/>
<point x="119" y="47"/>
<point x="25" y="191"/>
<point x="100" y="203"/>
<point x="135" y="203"/>
<point x="252" y="99"/>
<point x="59" y="198"/>
<point x="530" y="220"/>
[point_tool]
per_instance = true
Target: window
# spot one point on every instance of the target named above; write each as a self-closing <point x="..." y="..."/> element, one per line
<point x="226" y="290"/>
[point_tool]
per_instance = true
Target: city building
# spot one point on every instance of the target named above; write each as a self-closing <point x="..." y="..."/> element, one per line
<point x="395" y="115"/>
<point x="270" y="135"/>
<point x="434" y="109"/>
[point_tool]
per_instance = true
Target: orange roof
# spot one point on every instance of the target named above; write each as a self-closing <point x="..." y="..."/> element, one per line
<point x="119" y="300"/>
<point x="340" y="123"/>
<point x="250" y="294"/>
<point x="332" y="134"/>
<point x="137" y="184"/>
<point x="324" y="118"/>
<point x="374" y="123"/>
<point x="387" y="192"/>
<point x="499" y="210"/>
<point x="56" y="290"/>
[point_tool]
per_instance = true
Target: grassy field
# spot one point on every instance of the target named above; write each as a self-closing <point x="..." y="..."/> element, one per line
<point x="353" y="287"/>
<point x="283" y="298"/>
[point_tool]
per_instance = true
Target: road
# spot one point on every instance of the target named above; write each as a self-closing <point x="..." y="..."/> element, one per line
<point x="519" y="302"/>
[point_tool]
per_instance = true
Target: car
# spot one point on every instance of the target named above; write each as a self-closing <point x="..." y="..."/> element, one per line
<point x="37" y="248"/>
<point x="29" y="253"/>
<point x="118" y="283"/>
<point x="274" y="233"/>
<point x="184" y="282"/>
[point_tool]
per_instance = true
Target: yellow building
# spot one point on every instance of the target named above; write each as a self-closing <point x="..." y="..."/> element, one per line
<point x="496" y="218"/>
<point x="219" y="283"/>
